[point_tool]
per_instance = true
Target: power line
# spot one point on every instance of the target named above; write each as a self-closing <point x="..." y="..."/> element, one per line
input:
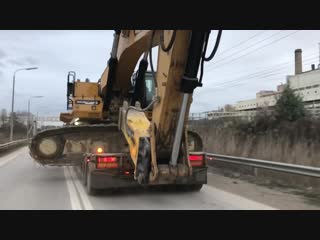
<point x="268" y="70"/>
<point x="258" y="49"/>
<point x="234" y="46"/>
<point x="260" y="76"/>
<point x="255" y="50"/>
<point x="279" y="64"/>
<point x="248" y="47"/>
<point x="279" y="72"/>
<point x="241" y="84"/>
<point x="319" y="56"/>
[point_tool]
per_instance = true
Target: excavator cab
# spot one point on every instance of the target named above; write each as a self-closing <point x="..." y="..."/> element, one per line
<point x="84" y="99"/>
<point x="149" y="88"/>
<point x="144" y="91"/>
<point x="70" y="89"/>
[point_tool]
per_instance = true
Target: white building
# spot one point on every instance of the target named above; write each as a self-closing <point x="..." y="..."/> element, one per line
<point x="306" y="84"/>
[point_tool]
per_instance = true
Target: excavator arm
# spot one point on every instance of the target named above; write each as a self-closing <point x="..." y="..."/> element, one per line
<point x="162" y="140"/>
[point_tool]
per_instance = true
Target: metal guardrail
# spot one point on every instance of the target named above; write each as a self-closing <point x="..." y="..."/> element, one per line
<point x="41" y="118"/>
<point x="8" y="145"/>
<point x="315" y="112"/>
<point x="217" y="115"/>
<point x="277" y="166"/>
<point x="282" y="167"/>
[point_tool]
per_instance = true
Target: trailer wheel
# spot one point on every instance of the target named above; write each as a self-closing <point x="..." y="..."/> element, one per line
<point x="84" y="177"/>
<point x="189" y="187"/>
<point x="195" y="187"/>
<point x="90" y="190"/>
<point x="84" y="173"/>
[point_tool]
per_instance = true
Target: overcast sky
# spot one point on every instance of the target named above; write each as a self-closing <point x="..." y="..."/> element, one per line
<point x="246" y="62"/>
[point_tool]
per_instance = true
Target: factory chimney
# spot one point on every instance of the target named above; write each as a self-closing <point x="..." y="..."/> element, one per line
<point x="298" y="61"/>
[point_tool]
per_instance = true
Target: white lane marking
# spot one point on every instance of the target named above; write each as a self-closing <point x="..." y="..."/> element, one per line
<point x="74" y="199"/>
<point x="83" y="195"/>
<point x="235" y="201"/>
<point x="10" y="157"/>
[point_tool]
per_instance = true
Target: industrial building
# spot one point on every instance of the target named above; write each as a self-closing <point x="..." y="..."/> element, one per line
<point x="306" y="84"/>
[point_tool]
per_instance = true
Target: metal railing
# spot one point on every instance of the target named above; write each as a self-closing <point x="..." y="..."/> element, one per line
<point x="314" y="112"/>
<point x="217" y="115"/>
<point x="9" y="145"/>
<point x="277" y="166"/>
<point x="41" y="118"/>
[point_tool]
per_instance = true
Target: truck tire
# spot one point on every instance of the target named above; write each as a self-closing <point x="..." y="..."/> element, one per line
<point x="189" y="187"/>
<point x="90" y="190"/>
<point x="195" y="187"/>
<point x="84" y="174"/>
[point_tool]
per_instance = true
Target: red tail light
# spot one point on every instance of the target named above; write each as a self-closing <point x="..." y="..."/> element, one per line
<point x="196" y="160"/>
<point x="107" y="162"/>
<point x="102" y="159"/>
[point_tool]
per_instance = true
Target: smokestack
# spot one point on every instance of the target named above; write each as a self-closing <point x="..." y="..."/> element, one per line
<point x="298" y="61"/>
<point x="313" y="67"/>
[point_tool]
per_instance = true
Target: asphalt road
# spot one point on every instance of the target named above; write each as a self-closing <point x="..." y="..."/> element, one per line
<point x="26" y="185"/>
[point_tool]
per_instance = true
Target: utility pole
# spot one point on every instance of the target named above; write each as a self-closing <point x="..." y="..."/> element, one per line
<point x="319" y="57"/>
<point x="29" y="113"/>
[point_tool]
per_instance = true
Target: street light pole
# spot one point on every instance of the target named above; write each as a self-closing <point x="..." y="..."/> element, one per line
<point x="29" y="111"/>
<point x="12" y="104"/>
<point x="28" y="120"/>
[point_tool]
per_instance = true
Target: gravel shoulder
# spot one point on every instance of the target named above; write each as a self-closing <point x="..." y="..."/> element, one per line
<point x="275" y="196"/>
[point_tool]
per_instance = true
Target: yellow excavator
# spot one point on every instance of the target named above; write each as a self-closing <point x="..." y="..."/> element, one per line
<point x="130" y="127"/>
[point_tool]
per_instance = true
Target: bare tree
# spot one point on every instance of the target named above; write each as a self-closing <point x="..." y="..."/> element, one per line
<point x="4" y="116"/>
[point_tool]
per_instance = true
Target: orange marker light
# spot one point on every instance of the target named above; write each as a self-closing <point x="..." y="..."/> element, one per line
<point x="100" y="150"/>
